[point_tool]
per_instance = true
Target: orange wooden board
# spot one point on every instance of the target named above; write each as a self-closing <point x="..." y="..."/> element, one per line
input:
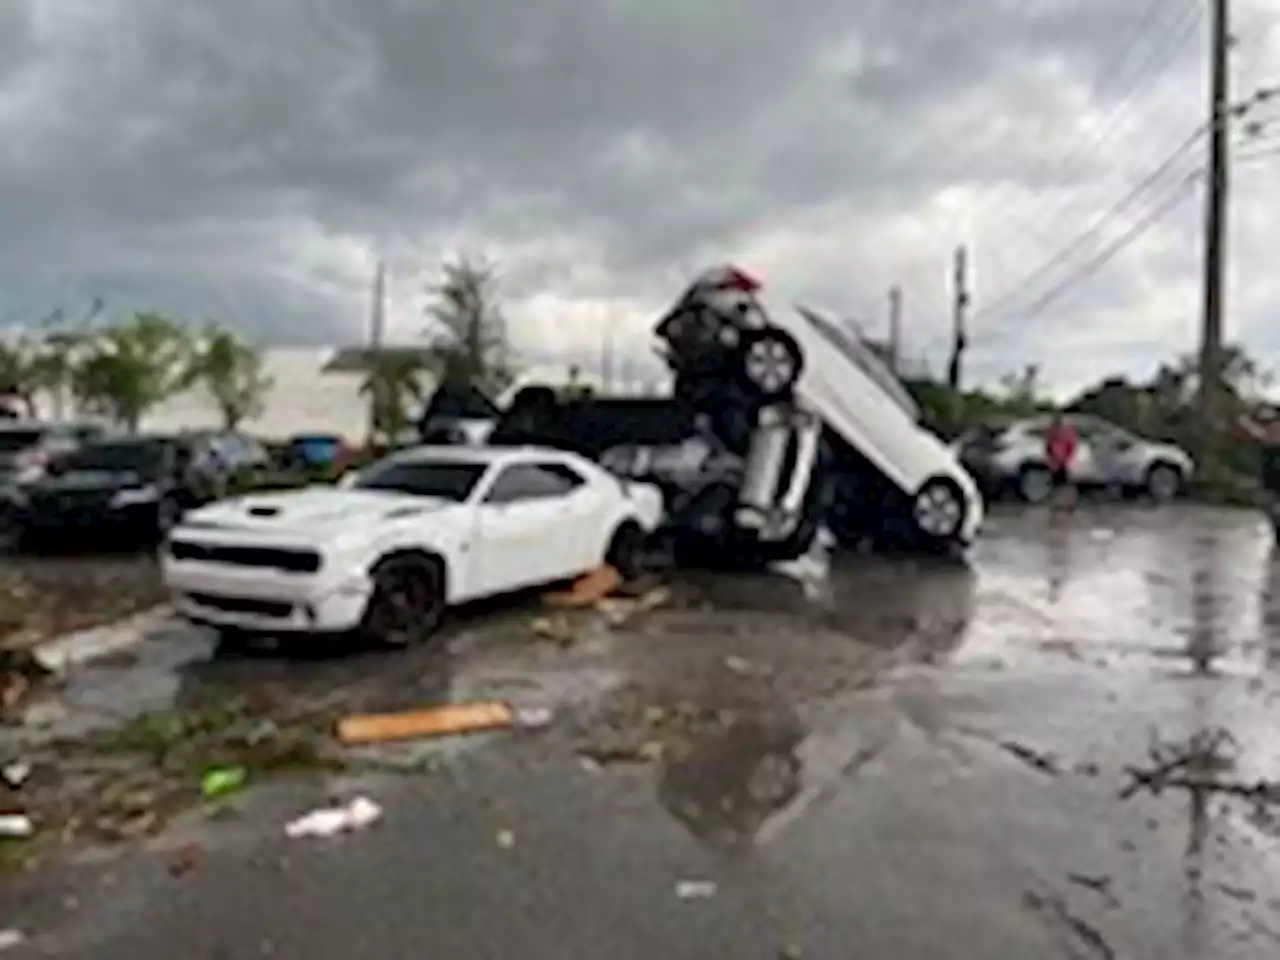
<point x="453" y="718"/>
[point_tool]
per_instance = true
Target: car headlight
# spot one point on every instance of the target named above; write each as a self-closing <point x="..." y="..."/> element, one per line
<point x="135" y="496"/>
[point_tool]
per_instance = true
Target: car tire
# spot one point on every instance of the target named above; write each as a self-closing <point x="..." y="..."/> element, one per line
<point x="1163" y="482"/>
<point x="626" y="550"/>
<point x="1035" y="483"/>
<point x="769" y="362"/>
<point x="168" y="514"/>
<point x="938" y="511"/>
<point x="407" y="602"/>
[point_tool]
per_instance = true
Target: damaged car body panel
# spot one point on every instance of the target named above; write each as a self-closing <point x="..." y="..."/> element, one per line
<point x="756" y="367"/>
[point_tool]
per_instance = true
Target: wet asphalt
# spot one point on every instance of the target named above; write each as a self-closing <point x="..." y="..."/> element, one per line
<point x="1060" y="749"/>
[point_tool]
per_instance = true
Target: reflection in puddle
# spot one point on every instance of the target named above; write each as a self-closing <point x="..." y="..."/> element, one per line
<point x="729" y="781"/>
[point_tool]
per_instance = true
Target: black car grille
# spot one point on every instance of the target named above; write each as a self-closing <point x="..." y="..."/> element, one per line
<point x="261" y="608"/>
<point x="275" y="558"/>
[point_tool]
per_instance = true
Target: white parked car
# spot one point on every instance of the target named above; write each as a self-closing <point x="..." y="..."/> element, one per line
<point x="388" y="550"/>
<point x="1011" y="456"/>
<point x="828" y="433"/>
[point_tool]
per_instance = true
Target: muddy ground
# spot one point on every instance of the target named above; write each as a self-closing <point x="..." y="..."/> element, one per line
<point x="1063" y="749"/>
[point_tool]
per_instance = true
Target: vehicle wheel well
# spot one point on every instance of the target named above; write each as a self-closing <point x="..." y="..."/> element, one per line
<point x="424" y="558"/>
<point x="1163" y="463"/>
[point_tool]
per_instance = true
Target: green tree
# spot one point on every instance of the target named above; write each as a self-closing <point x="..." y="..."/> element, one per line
<point x="1022" y="390"/>
<point x="468" y="335"/>
<point x="131" y="367"/>
<point x="230" y="370"/>
<point x="394" y="384"/>
<point x="18" y="372"/>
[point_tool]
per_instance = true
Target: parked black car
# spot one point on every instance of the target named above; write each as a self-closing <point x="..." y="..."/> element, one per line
<point x="136" y="485"/>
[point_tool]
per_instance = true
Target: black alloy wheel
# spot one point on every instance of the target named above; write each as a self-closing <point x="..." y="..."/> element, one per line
<point x="407" y="603"/>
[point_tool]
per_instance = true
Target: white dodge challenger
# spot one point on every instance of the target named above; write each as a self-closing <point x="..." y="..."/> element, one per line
<point x="386" y="551"/>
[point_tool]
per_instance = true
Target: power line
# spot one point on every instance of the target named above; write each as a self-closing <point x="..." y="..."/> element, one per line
<point x="1094" y="229"/>
<point x="1125" y="240"/>
<point x="1161" y="56"/>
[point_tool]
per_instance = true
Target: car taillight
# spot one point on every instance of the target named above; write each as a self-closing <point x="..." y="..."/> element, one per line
<point x="732" y="278"/>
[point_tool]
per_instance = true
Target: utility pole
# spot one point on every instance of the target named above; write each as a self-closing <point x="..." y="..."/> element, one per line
<point x="373" y="356"/>
<point x="1215" y="228"/>
<point x="958" y="319"/>
<point x="895" y="327"/>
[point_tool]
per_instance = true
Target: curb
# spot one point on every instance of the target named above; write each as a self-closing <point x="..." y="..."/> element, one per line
<point x="59" y="654"/>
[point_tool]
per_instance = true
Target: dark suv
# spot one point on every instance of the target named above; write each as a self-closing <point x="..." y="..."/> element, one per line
<point x="138" y="484"/>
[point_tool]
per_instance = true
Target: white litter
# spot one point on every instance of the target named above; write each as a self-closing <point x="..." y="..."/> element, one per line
<point x="11" y="938"/>
<point x="534" y="718"/>
<point x="328" y="821"/>
<point x="16" y="826"/>
<point x="695" y="889"/>
<point x="15" y="774"/>
<point x="1102" y="535"/>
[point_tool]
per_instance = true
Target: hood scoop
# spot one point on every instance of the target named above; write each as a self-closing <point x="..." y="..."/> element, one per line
<point x="264" y="511"/>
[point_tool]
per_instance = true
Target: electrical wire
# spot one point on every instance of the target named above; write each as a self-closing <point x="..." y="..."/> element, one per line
<point x="1162" y="53"/>
<point x="1136" y="231"/>
<point x="1096" y="226"/>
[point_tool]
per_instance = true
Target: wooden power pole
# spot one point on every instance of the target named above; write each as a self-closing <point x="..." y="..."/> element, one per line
<point x="895" y="328"/>
<point x="1215" y="228"/>
<point x="959" y="335"/>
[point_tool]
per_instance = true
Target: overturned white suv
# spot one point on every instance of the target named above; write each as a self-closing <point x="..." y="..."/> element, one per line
<point x="828" y="435"/>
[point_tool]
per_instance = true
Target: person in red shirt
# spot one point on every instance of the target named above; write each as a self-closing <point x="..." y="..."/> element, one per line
<point x="1060" y="442"/>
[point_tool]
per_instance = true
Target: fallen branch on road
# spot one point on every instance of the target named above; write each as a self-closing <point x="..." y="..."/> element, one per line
<point x="1196" y="766"/>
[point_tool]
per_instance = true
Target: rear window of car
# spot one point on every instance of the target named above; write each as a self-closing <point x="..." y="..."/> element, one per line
<point x="15" y="441"/>
<point x="449" y="480"/>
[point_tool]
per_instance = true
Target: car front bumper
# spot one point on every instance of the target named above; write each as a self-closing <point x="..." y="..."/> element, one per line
<point x="217" y="595"/>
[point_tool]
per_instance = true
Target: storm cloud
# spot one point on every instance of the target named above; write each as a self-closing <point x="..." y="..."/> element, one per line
<point x="251" y="161"/>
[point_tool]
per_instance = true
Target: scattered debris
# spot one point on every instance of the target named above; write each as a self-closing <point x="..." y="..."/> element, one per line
<point x="15" y="774"/>
<point x="505" y="839"/>
<point x="534" y="718"/>
<point x="1101" y="885"/>
<point x="328" y="821"/>
<point x="618" y="610"/>
<point x="447" y="720"/>
<point x="1042" y="762"/>
<point x="221" y="781"/>
<point x="11" y="938"/>
<point x="746" y="668"/>
<point x="557" y="630"/>
<point x="1055" y="908"/>
<point x="1197" y="765"/>
<point x="587" y="590"/>
<point x="16" y="826"/>
<point x="696" y="889"/>
<point x="185" y="860"/>
<point x="1102" y="535"/>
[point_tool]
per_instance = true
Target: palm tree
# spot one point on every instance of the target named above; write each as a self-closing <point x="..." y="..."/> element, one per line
<point x="230" y="370"/>
<point x="393" y="382"/>
<point x="468" y="336"/>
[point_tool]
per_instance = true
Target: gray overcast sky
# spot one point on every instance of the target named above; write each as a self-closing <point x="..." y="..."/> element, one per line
<point x="250" y="160"/>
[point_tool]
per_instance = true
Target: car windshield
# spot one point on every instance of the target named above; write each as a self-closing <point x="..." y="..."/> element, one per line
<point x="123" y="457"/>
<point x="448" y="480"/>
<point x="865" y="360"/>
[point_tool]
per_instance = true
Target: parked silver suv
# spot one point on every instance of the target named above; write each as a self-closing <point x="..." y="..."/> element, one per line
<point x="1011" y="456"/>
